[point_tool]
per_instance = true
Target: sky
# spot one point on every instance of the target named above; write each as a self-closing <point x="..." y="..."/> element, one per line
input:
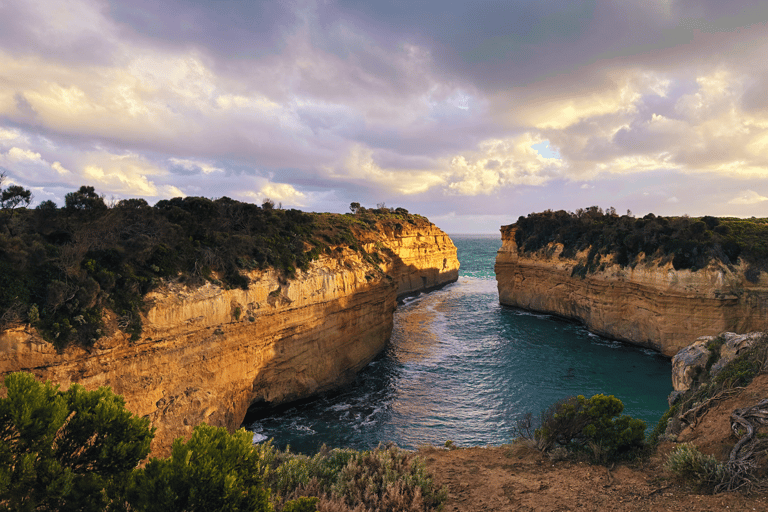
<point x="470" y="113"/>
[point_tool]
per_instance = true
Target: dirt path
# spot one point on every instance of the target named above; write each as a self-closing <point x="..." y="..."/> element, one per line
<point x="517" y="478"/>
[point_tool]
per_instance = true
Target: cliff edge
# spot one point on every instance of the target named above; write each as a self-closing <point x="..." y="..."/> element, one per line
<point x="207" y="353"/>
<point x="649" y="303"/>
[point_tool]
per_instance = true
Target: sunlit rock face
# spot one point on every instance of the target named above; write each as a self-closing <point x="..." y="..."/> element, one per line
<point x="650" y="305"/>
<point x="207" y="354"/>
<point x="420" y="257"/>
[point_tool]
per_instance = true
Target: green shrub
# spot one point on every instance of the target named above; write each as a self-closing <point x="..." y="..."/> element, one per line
<point x="66" y="450"/>
<point x="592" y="424"/>
<point x="213" y="471"/>
<point x="689" y="463"/>
<point x="78" y="450"/>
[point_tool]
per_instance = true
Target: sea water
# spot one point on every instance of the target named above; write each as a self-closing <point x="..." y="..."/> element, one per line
<point x="461" y="367"/>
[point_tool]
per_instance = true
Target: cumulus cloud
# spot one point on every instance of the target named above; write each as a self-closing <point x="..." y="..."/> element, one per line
<point x="748" y="197"/>
<point x="501" y="163"/>
<point x="278" y="193"/>
<point x="23" y="155"/>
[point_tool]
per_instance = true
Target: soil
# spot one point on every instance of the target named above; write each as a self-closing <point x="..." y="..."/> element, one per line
<point x="517" y="477"/>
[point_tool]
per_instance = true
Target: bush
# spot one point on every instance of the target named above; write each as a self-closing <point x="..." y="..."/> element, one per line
<point x="385" y="478"/>
<point x="689" y="463"/>
<point x="78" y="450"/>
<point x="66" y="450"/>
<point x="591" y="425"/>
<point x="213" y="471"/>
<point x="388" y="479"/>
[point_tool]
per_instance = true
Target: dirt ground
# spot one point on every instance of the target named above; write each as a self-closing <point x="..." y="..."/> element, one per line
<point x="516" y="478"/>
<point x="519" y="478"/>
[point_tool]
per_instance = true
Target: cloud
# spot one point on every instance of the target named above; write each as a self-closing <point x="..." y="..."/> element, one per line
<point x="126" y="174"/>
<point x="6" y="135"/>
<point x="278" y="193"/>
<point x="360" y="167"/>
<point x="23" y="155"/>
<point x="747" y="197"/>
<point x="499" y="163"/>
<point x="56" y="166"/>
<point x="195" y="166"/>
<point x="169" y="191"/>
<point x="69" y="30"/>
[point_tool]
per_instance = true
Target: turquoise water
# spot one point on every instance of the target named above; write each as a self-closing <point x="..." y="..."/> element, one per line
<point x="459" y="366"/>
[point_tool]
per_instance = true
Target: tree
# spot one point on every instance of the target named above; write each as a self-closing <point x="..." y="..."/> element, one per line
<point x="11" y="198"/>
<point x="14" y="196"/>
<point x="212" y="471"/>
<point x="86" y="199"/>
<point x="132" y="204"/>
<point x="47" y="206"/>
<point x="354" y="207"/>
<point x="66" y="450"/>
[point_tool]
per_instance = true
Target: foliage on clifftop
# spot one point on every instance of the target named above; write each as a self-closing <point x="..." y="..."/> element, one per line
<point x="60" y="268"/>
<point x="690" y="243"/>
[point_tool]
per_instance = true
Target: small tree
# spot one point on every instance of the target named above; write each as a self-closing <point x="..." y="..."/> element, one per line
<point x="85" y="199"/>
<point x="591" y="423"/>
<point x="354" y="207"/>
<point x="10" y="199"/>
<point x="66" y="450"/>
<point x="15" y="196"/>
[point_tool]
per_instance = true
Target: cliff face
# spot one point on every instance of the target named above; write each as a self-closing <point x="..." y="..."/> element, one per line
<point x="207" y="354"/>
<point x="420" y="259"/>
<point x="649" y="305"/>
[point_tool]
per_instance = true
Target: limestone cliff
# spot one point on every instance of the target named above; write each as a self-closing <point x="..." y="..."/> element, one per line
<point x="207" y="354"/>
<point x="650" y="305"/>
<point x="421" y="257"/>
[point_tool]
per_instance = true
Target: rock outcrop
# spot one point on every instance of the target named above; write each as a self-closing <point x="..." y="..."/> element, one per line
<point x="207" y="354"/>
<point x="717" y="351"/>
<point x="649" y="304"/>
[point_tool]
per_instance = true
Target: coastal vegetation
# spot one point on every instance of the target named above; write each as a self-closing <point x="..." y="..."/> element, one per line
<point x="80" y="450"/>
<point x="688" y="242"/>
<point x="746" y="465"/>
<point x="591" y="426"/>
<point x="61" y="268"/>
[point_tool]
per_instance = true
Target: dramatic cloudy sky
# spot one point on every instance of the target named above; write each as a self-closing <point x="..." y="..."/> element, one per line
<point x="472" y="113"/>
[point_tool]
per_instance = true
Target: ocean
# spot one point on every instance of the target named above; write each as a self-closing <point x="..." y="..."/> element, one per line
<point x="461" y="367"/>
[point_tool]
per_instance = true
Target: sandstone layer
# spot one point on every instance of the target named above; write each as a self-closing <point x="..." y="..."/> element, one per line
<point x="207" y="354"/>
<point x="420" y="259"/>
<point x="651" y="305"/>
